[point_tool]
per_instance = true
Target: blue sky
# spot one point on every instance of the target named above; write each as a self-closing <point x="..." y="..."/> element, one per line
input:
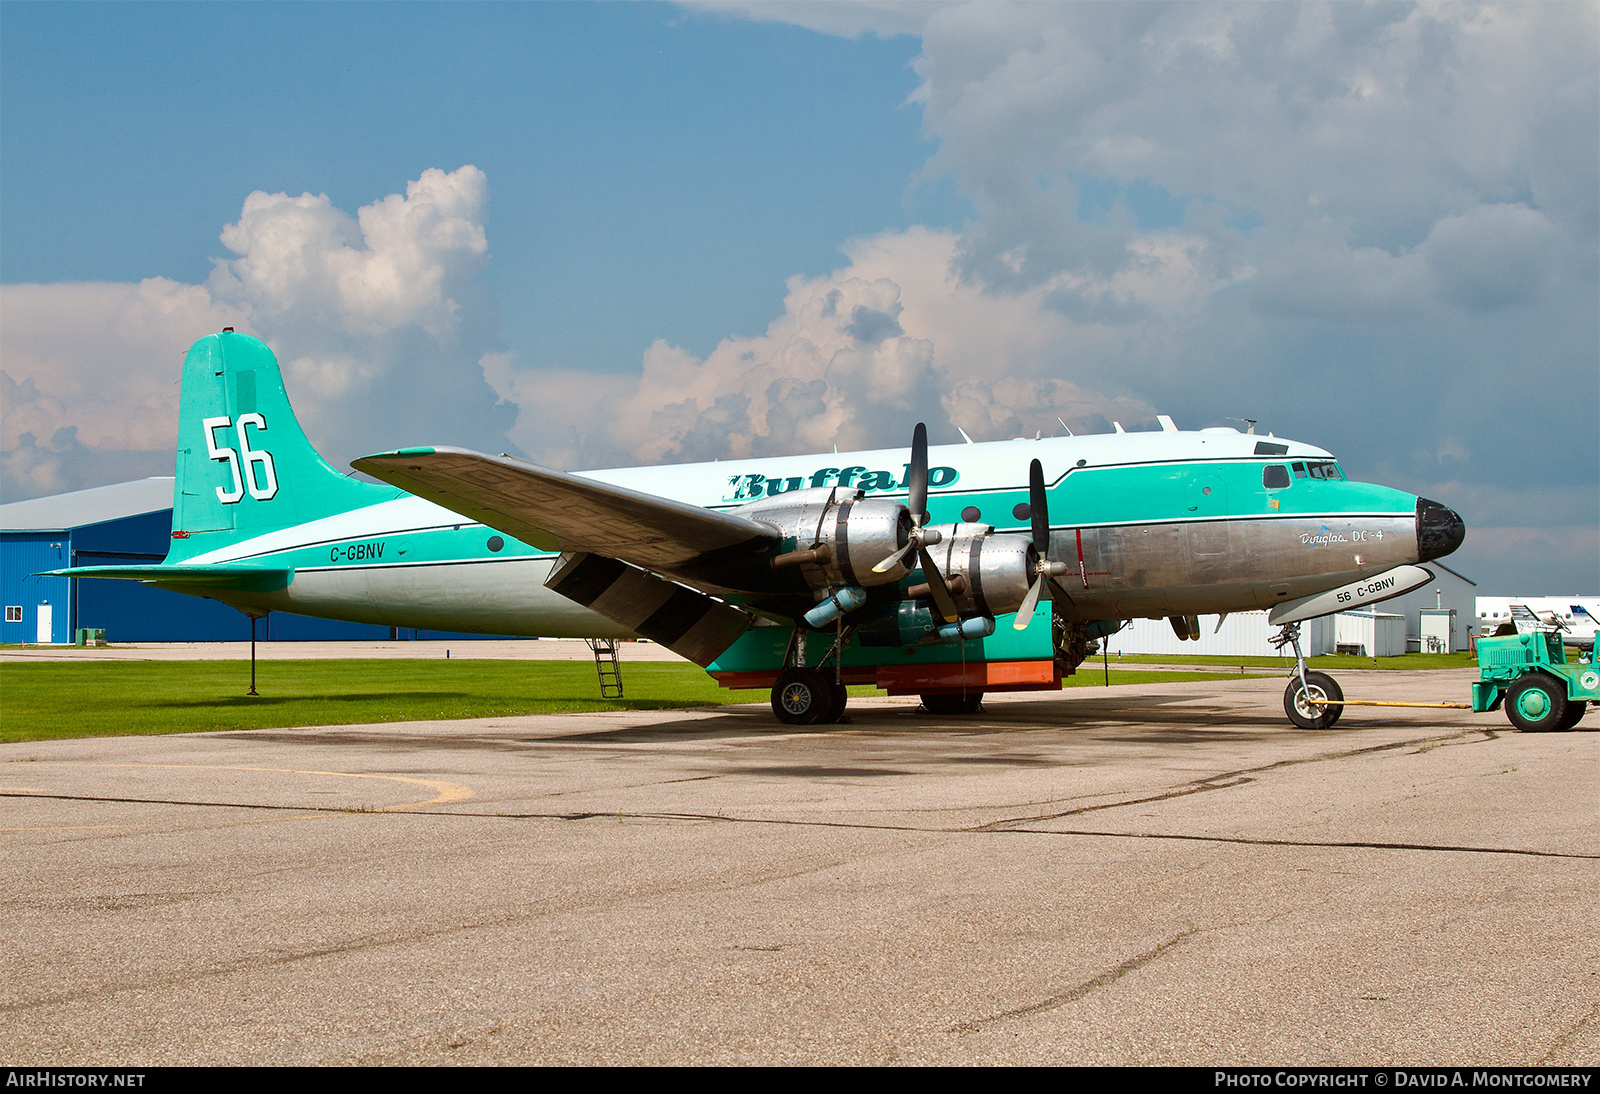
<point x="632" y="149"/>
<point x="621" y="233"/>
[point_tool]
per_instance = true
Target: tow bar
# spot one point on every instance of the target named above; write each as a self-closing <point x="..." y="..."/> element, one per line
<point x="1314" y="700"/>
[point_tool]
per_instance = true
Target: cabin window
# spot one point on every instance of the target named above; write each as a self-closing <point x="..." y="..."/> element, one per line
<point x="1299" y="470"/>
<point x="1275" y="476"/>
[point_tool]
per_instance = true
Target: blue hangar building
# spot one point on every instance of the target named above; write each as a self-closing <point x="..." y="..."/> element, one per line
<point x="126" y="524"/>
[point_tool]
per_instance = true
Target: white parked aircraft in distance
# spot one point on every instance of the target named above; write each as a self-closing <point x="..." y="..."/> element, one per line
<point x="1574" y="616"/>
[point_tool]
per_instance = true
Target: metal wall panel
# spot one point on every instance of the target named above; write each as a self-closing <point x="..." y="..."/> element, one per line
<point x="22" y="554"/>
<point x="1243" y="634"/>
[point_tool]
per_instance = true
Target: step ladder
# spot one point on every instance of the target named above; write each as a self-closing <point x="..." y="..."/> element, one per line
<point x="607" y="667"/>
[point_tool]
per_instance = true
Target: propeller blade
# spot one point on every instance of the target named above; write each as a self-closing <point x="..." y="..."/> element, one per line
<point x="895" y="559"/>
<point x="1039" y="503"/>
<point x="942" y="599"/>
<point x="1029" y="603"/>
<point x="918" y="503"/>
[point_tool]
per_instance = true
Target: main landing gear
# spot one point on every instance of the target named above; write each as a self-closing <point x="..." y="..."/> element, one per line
<point x="809" y="697"/>
<point x="1313" y="700"/>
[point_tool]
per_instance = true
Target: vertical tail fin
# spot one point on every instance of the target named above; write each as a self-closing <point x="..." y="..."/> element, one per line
<point x="245" y="467"/>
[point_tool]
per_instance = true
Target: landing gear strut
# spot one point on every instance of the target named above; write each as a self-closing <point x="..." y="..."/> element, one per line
<point x="1313" y="700"/>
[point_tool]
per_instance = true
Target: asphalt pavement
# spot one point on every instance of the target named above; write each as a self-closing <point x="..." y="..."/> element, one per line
<point x="1160" y="873"/>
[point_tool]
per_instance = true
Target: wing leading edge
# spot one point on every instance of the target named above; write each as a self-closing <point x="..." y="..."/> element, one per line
<point x="559" y="511"/>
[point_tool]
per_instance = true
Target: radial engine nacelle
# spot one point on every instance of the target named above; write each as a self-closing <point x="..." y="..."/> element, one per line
<point x="988" y="574"/>
<point x="839" y="536"/>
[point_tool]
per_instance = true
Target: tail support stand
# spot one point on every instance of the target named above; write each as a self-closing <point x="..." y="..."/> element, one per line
<point x="252" y="619"/>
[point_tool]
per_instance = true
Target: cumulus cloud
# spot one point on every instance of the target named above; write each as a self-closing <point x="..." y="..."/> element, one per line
<point x="857" y="358"/>
<point x="1369" y="127"/>
<point x="1372" y="226"/>
<point x="400" y="262"/>
<point x="89" y="384"/>
<point x="378" y="320"/>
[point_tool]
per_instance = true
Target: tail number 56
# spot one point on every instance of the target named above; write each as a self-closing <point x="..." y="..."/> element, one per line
<point x="257" y="474"/>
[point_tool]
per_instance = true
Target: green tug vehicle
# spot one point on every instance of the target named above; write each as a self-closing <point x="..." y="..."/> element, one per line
<point x="1530" y="674"/>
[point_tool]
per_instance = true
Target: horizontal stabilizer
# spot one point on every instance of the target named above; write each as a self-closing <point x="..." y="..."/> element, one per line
<point x="1357" y="594"/>
<point x="253" y="579"/>
<point x="689" y="623"/>
<point x="557" y="511"/>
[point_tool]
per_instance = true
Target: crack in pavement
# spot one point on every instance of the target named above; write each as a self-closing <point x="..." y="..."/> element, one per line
<point x="998" y="828"/>
<point x="1241" y="777"/>
<point x="1072" y="995"/>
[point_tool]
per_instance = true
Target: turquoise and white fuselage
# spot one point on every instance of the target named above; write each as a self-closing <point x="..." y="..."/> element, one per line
<point x="1156" y="524"/>
<point x="1170" y="524"/>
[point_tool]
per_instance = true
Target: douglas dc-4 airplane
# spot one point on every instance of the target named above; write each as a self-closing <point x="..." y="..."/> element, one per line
<point x="802" y="574"/>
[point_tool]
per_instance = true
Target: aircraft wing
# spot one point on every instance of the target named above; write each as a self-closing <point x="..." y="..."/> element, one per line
<point x="558" y="511"/>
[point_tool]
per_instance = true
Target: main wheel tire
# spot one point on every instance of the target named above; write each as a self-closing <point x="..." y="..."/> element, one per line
<point x="961" y="703"/>
<point x="1308" y="715"/>
<point x="801" y="697"/>
<point x="1537" y="703"/>
<point x="1575" y="709"/>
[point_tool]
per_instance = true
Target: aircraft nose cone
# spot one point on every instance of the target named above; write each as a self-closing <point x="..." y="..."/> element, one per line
<point x="1439" y="530"/>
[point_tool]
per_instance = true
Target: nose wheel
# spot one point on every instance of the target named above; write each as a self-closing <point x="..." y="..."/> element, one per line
<point x="1313" y="700"/>
<point x="1301" y="701"/>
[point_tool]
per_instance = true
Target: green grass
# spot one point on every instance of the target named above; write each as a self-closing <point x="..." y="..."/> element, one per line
<point x="58" y="699"/>
<point x="53" y="700"/>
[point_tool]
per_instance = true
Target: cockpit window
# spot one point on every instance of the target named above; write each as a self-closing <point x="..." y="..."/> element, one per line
<point x="1326" y="470"/>
<point x="1275" y="476"/>
<point x="1299" y="470"/>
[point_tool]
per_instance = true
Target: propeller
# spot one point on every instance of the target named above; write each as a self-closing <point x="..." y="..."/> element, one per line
<point x="920" y="538"/>
<point x="1044" y="569"/>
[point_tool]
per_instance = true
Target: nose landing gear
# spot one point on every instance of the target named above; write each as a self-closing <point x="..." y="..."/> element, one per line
<point x="1313" y="700"/>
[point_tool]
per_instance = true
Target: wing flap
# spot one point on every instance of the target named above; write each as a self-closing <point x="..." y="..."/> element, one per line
<point x="556" y="510"/>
